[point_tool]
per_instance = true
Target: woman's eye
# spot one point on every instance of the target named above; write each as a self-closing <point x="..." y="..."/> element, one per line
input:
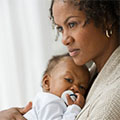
<point x="69" y="80"/>
<point x="71" y="25"/>
<point x="59" y="29"/>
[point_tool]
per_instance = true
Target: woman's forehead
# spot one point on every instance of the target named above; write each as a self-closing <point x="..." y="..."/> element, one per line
<point x="71" y="1"/>
<point x="65" y="6"/>
<point x="67" y="11"/>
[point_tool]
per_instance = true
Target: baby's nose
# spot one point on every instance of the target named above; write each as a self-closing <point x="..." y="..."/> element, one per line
<point x="75" y="89"/>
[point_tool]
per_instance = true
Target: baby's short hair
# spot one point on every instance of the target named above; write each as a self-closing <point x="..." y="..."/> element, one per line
<point x="54" y="61"/>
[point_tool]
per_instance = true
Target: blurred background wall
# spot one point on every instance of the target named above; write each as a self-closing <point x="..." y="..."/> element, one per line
<point x="27" y="42"/>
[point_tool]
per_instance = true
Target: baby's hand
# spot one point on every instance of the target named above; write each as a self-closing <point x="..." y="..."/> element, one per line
<point x="80" y="100"/>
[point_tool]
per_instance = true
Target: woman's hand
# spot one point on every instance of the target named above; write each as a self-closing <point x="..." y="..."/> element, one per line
<point x="15" y="113"/>
<point x="80" y="100"/>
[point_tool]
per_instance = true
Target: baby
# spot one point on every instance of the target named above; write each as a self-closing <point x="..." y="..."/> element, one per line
<point x="61" y="75"/>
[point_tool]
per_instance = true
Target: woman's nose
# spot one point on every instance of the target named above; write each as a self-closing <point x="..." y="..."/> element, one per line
<point x="75" y="88"/>
<point x="66" y="39"/>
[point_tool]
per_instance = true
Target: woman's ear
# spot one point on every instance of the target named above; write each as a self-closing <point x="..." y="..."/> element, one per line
<point x="46" y="82"/>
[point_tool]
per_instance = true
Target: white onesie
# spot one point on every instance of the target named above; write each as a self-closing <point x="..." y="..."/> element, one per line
<point x="47" y="106"/>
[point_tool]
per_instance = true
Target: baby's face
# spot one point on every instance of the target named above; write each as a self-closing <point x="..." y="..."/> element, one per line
<point x="68" y="76"/>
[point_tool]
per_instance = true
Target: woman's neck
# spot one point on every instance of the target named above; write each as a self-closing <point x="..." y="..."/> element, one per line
<point x="101" y="60"/>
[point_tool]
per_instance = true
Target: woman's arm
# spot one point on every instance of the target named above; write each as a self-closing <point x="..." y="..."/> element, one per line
<point x="15" y="113"/>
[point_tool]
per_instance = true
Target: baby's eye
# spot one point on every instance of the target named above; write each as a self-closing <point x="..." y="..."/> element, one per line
<point x="59" y="29"/>
<point x="69" y="80"/>
<point x="72" y="24"/>
<point x="81" y="87"/>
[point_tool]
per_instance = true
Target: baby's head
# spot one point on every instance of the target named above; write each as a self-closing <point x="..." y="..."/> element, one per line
<point x="63" y="74"/>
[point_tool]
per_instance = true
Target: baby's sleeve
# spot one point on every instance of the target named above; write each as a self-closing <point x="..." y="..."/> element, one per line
<point x="56" y="111"/>
<point x="71" y="112"/>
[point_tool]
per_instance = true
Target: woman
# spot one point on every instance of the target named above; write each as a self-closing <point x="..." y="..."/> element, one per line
<point x="90" y="30"/>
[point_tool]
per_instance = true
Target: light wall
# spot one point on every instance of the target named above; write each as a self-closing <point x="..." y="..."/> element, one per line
<point x="26" y="45"/>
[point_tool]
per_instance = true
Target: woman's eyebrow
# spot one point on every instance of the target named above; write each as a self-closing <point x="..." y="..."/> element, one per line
<point x="69" y="18"/>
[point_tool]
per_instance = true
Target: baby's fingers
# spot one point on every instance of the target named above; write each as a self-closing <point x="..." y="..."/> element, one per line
<point x="69" y="100"/>
<point x="80" y="100"/>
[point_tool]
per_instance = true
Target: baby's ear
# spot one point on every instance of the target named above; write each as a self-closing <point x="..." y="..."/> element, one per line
<point x="46" y="82"/>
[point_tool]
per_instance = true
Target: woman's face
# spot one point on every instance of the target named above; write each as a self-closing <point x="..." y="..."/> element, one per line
<point x="85" y="42"/>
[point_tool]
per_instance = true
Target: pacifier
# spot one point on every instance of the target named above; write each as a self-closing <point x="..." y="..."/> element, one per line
<point x="71" y="93"/>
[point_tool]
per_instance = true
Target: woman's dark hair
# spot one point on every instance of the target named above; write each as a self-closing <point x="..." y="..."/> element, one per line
<point x="102" y="12"/>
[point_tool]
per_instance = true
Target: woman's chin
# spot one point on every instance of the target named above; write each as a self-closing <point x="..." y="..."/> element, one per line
<point x="78" y="61"/>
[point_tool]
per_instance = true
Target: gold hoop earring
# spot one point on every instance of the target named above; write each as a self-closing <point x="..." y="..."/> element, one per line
<point x="108" y="33"/>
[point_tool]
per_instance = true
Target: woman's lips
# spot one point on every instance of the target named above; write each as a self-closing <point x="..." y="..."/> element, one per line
<point x="74" y="52"/>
